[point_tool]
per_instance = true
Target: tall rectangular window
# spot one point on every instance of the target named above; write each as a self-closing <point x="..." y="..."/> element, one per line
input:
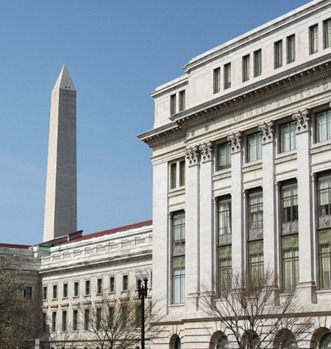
<point x="112" y="284"/>
<point x="290" y="43"/>
<point x="257" y="63"/>
<point x="289" y="208"/>
<point x="255" y="214"/>
<point x="224" y="216"/>
<point x="324" y="230"/>
<point x="224" y="269"/>
<point x="227" y="76"/>
<point x="125" y="283"/>
<point x="98" y="319"/>
<point x="64" y="320"/>
<point x="217" y="80"/>
<point x="255" y="259"/>
<point x="99" y="286"/>
<point x="246" y="67"/>
<point x="254" y="147"/>
<point x="45" y="292"/>
<point x="87" y="287"/>
<point x="287" y="136"/>
<point x="178" y="280"/>
<point x="53" y="321"/>
<point x="173" y="104"/>
<point x="65" y="291"/>
<point x="86" y="319"/>
<point x="223" y="156"/>
<point x="290" y="262"/>
<point x="54" y="291"/>
<point x="327" y="33"/>
<point x="177" y="174"/>
<point x="323" y="126"/>
<point x="27" y="292"/>
<point x="324" y="256"/>
<point x="181" y="96"/>
<point x="75" y="320"/>
<point x="278" y="54"/>
<point x="76" y="289"/>
<point x="313" y="39"/>
<point x="178" y="257"/>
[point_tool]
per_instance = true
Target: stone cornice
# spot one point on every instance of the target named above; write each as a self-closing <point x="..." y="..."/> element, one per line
<point x="266" y="89"/>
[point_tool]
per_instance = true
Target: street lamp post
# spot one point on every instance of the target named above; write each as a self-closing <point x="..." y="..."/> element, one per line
<point x="142" y="281"/>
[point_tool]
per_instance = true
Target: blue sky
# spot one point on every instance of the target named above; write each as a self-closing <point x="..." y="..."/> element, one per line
<point x="117" y="53"/>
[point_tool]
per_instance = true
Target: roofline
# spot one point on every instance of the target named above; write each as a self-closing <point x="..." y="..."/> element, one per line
<point x="114" y="230"/>
<point x="22" y="247"/>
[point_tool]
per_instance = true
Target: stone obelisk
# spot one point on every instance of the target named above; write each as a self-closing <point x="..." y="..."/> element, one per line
<point x="61" y="185"/>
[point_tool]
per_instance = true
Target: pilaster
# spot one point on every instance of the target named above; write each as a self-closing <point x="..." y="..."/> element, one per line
<point x="306" y="285"/>
<point x="192" y="239"/>
<point x="269" y="223"/>
<point x="236" y="201"/>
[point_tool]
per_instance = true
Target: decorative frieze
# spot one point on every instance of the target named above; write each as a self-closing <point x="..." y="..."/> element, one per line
<point x="302" y="119"/>
<point x="235" y="140"/>
<point x="267" y="132"/>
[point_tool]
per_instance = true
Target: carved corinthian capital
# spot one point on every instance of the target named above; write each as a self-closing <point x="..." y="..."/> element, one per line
<point x="192" y="155"/>
<point x="267" y="132"/>
<point x="302" y="119"/>
<point x="206" y="150"/>
<point x="235" y="140"/>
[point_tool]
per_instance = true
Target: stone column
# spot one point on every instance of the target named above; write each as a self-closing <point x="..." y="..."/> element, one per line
<point x="192" y="234"/>
<point x="206" y="245"/>
<point x="236" y="202"/>
<point x="306" y="285"/>
<point x="270" y="234"/>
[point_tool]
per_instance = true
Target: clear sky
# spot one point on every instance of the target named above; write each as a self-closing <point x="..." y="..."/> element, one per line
<point x="117" y="53"/>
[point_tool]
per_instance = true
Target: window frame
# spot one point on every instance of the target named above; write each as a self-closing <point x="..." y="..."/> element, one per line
<point x="291" y="48"/>
<point x="112" y="284"/>
<point x="227" y="78"/>
<point x="87" y="287"/>
<point x="246" y="68"/>
<point x="256" y="155"/>
<point x="217" y="80"/>
<point x="55" y="295"/>
<point x="278" y="54"/>
<point x="65" y="290"/>
<point x="181" y="100"/>
<point x="125" y="283"/>
<point x="313" y="39"/>
<point x="76" y="289"/>
<point x="327" y="33"/>
<point x="177" y="174"/>
<point x="223" y="156"/>
<point x="257" y="63"/>
<point x="319" y="129"/>
<point x="173" y="104"/>
<point x="287" y="145"/>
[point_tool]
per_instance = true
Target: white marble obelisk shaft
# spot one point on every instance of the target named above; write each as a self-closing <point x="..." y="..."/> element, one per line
<point x="61" y="186"/>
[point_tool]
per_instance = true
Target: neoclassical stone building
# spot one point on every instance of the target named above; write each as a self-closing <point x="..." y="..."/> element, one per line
<point x="241" y="182"/>
<point x="242" y="176"/>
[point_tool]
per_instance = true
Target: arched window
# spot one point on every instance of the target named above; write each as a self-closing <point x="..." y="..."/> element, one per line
<point x="251" y="340"/>
<point x="219" y="341"/>
<point x="285" y="340"/>
<point x="175" y="342"/>
<point x="326" y="341"/>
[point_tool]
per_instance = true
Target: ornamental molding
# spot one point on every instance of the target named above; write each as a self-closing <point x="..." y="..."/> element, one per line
<point x="235" y="140"/>
<point x="267" y="132"/>
<point x="302" y="120"/>
<point x="320" y="148"/>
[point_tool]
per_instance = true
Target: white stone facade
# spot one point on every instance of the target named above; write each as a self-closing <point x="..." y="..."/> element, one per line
<point x="249" y="119"/>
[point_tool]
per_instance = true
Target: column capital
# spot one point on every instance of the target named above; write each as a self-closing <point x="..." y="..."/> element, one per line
<point x="192" y="155"/>
<point x="235" y="140"/>
<point x="302" y="119"/>
<point x="267" y="132"/>
<point x="206" y="151"/>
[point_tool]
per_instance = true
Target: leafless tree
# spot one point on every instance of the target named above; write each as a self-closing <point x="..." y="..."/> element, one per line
<point x="115" y="323"/>
<point x="256" y="316"/>
<point x="19" y="318"/>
